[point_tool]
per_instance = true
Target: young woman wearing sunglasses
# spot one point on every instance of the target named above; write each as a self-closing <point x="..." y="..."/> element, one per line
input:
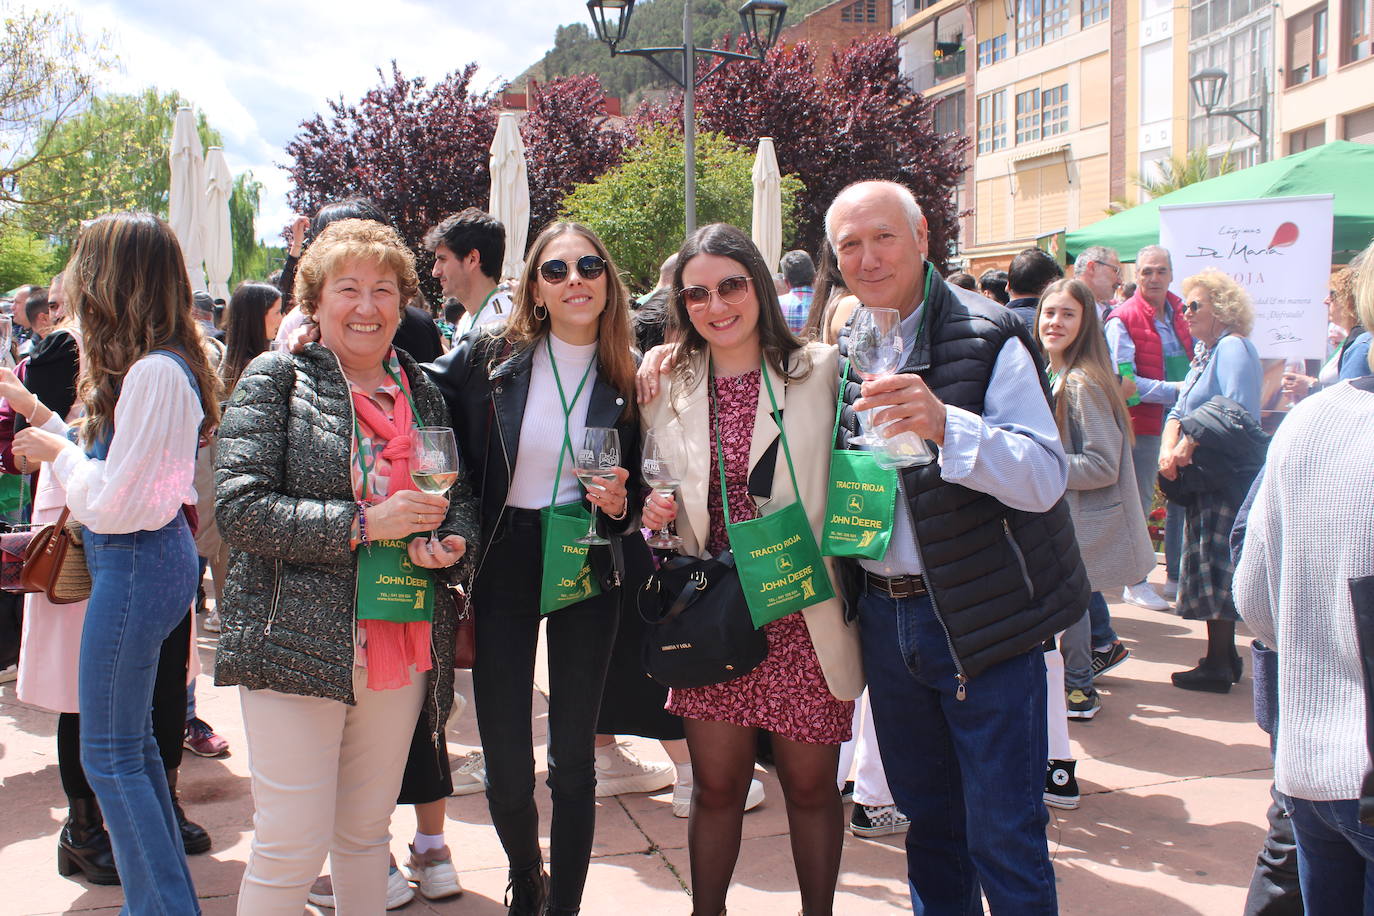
<point x="745" y="389"/>
<point x="522" y="397"/>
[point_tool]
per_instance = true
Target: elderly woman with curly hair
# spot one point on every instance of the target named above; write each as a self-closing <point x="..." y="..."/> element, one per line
<point x="1226" y="363"/>
<point x="334" y="630"/>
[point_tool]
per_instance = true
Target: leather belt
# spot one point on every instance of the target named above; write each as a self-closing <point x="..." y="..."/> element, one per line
<point x="897" y="586"/>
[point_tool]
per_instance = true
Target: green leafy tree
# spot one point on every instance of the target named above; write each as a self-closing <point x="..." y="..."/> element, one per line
<point x="252" y="259"/>
<point x="24" y="259"/>
<point x="637" y="207"/>
<point x="48" y="71"/>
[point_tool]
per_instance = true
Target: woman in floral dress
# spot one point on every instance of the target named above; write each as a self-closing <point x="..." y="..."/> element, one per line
<point x="802" y="693"/>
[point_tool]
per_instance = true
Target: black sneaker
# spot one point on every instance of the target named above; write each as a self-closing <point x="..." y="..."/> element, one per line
<point x="877" y="820"/>
<point x="847" y="793"/>
<point x="1061" y="786"/>
<point x="1083" y="704"/>
<point x="1108" y="659"/>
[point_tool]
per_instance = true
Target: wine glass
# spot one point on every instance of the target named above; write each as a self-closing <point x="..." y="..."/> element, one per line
<point x="875" y="351"/>
<point x="6" y="327"/>
<point x="600" y="453"/>
<point x="665" y="458"/>
<point x="433" y="461"/>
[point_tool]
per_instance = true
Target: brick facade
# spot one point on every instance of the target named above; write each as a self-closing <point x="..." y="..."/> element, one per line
<point x="837" y="25"/>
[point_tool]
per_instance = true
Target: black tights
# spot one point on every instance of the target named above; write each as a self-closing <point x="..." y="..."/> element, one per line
<point x="1221" y="644"/>
<point x="168" y="712"/>
<point x="722" y="766"/>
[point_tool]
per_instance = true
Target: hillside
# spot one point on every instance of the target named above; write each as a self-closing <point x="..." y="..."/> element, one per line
<point x="655" y="23"/>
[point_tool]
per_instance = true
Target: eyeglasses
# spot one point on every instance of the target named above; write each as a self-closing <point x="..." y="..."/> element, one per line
<point x="1114" y="268"/>
<point x="589" y="267"/>
<point x="1192" y="307"/>
<point x="731" y="291"/>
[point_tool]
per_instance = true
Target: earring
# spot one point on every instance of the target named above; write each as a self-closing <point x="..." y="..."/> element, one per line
<point x="539" y="317"/>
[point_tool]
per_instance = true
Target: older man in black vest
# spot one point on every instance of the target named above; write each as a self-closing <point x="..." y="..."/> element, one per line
<point x="981" y="569"/>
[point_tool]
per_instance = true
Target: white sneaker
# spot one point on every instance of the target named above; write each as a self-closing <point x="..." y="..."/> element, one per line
<point x="433" y="871"/>
<point x="211" y="622"/>
<point x="470" y="776"/>
<point x="1170" y="592"/>
<point x="398" y="890"/>
<point x="460" y="703"/>
<point x="1142" y="594"/>
<point x="619" y="772"/>
<point x="9" y="674"/>
<point x="682" y="798"/>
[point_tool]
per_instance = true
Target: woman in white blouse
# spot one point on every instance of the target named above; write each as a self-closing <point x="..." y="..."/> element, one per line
<point x="149" y="396"/>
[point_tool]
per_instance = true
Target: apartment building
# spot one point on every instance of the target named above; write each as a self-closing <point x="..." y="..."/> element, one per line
<point x="1325" y="76"/>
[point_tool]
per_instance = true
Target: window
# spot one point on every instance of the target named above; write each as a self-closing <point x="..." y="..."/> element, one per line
<point x="860" y="11"/>
<point x="1356" y="41"/>
<point x="1039" y="21"/>
<point x="1054" y="111"/>
<point x="1306" y="138"/>
<point x="1244" y="53"/>
<point x="1027" y="116"/>
<point x="949" y="113"/>
<point x="1212" y="15"/>
<point x="992" y="122"/>
<point x="1095" y="11"/>
<point x="1307" y="46"/>
<point x="949" y="46"/>
<point x="992" y="50"/>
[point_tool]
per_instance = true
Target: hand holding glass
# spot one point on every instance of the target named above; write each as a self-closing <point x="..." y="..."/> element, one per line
<point x="433" y="461"/>
<point x="596" y="460"/>
<point x="665" y="457"/>
<point x="875" y="351"/>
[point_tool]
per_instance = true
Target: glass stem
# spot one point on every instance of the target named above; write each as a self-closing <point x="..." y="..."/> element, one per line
<point x="591" y="526"/>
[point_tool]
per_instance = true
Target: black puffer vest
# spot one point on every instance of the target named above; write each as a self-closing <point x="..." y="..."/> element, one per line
<point x="1002" y="581"/>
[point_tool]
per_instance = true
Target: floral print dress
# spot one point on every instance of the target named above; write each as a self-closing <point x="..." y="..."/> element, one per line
<point x="786" y="694"/>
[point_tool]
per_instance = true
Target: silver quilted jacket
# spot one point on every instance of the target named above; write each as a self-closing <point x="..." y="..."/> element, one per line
<point x="284" y="504"/>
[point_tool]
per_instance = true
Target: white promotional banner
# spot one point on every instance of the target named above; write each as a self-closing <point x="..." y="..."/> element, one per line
<point x="1278" y="249"/>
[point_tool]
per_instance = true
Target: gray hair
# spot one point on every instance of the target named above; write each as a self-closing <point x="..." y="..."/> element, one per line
<point x="1099" y="254"/>
<point x="1155" y="249"/>
<point x="914" y="216"/>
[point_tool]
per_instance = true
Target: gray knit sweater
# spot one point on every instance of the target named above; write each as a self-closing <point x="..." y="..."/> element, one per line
<point x="1311" y="529"/>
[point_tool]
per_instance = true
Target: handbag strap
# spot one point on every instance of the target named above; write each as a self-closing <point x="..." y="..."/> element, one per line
<point x="720" y="452"/>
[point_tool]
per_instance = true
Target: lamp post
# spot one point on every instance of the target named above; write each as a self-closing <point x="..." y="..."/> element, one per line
<point x="761" y="21"/>
<point x="1208" y="85"/>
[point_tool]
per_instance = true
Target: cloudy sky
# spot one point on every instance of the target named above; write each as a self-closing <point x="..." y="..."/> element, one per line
<point x="258" y="68"/>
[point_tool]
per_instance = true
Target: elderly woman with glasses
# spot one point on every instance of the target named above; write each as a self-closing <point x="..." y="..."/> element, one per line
<point x="1219" y="316"/>
<point x="524" y="397"/>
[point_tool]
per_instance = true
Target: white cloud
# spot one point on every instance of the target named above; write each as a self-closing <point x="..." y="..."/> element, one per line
<point x="258" y="68"/>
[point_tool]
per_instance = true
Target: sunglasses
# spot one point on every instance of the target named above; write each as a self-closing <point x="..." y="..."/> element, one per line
<point x="731" y="291"/>
<point x="589" y="267"/>
<point x="1192" y="307"/>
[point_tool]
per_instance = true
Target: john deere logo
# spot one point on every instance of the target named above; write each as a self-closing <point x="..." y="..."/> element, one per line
<point x="856" y="503"/>
<point x="785" y="563"/>
<point x="406" y="564"/>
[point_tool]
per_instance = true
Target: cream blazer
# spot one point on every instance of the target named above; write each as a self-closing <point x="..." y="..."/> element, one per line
<point x="808" y="407"/>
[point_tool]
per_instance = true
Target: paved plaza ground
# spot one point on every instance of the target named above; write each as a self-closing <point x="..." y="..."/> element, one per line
<point x="1174" y="795"/>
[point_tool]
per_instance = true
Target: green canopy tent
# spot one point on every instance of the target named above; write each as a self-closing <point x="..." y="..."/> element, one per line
<point x="1341" y="168"/>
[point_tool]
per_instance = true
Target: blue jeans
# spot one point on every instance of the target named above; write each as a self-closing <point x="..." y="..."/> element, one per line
<point x="1335" y="857"/>
<point x="969" y="773"/>
<point x="1173" y="540"/>
<point x="1100" y="619"/>
<point x="142" y="585"/>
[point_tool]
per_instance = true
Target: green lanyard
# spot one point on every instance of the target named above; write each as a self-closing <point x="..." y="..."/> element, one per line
<point x="358" y="431"/>
<point x="481" y="308"/>
<point x="720" y="452"/>
<point x="567" y="413"/>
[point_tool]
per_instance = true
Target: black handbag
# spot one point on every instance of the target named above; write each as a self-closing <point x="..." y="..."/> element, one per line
<point x="699" y="630"/>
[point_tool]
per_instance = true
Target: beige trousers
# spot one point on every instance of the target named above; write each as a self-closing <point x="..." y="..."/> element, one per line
<point x="325" y="780"/>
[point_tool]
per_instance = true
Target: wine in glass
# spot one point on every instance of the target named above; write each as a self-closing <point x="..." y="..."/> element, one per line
<point x="433" y="460"/>
<point x="595" y="464"/>
<point x="665" y="458"/>
<point x="875" y="351"/>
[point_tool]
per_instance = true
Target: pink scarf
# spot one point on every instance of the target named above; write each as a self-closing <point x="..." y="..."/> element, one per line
<point x="393" y="647"/>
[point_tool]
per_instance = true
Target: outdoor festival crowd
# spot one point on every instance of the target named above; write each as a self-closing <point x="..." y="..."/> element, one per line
<point x="884" y="506"/>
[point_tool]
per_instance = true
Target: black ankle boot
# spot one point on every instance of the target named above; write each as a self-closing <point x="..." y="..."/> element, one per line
<point x="84" y="846"/>
<point x="1205" y="677"/>
<point x="527" y="890"/>
<point x="194" y="839"/>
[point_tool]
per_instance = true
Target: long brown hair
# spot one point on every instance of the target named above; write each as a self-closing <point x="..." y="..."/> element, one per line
<point x="128" y="288"/>
<point x="1086" y="352"/>
<point x="776" y="339"/>
<point x="615" y="337"/>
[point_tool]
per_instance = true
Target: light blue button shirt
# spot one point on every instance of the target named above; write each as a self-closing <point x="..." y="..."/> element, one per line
<point x="1012" y="452"/>
<point x="1122" y="347"/>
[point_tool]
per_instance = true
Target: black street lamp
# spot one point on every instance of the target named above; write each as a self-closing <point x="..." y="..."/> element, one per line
<point x="1209" y="84"/>
<point x="761" y="22"/>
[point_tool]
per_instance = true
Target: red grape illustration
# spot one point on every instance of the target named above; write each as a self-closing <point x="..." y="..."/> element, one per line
<point x="1285" y="235"/>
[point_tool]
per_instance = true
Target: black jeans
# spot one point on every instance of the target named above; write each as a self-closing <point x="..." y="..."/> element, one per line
<point x="580" y="637"/>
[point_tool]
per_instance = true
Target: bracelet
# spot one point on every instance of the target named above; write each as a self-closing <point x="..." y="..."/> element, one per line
<point x="623" y="512"/>
<point x="362" y="526"/>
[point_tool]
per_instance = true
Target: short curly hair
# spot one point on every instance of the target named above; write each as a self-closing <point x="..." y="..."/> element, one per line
<point x="354" y="240"/>
<point x="1230" y="301"/>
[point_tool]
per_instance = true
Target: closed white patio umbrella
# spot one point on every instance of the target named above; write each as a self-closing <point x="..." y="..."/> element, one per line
<point x="215" y="229"/>
<point x="767" y="224"/>
<point x="509" y="200"/>
<point x="186" y="198"/>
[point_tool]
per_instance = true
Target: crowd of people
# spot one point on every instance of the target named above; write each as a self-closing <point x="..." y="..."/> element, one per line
<point x="1013" y="448"/>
